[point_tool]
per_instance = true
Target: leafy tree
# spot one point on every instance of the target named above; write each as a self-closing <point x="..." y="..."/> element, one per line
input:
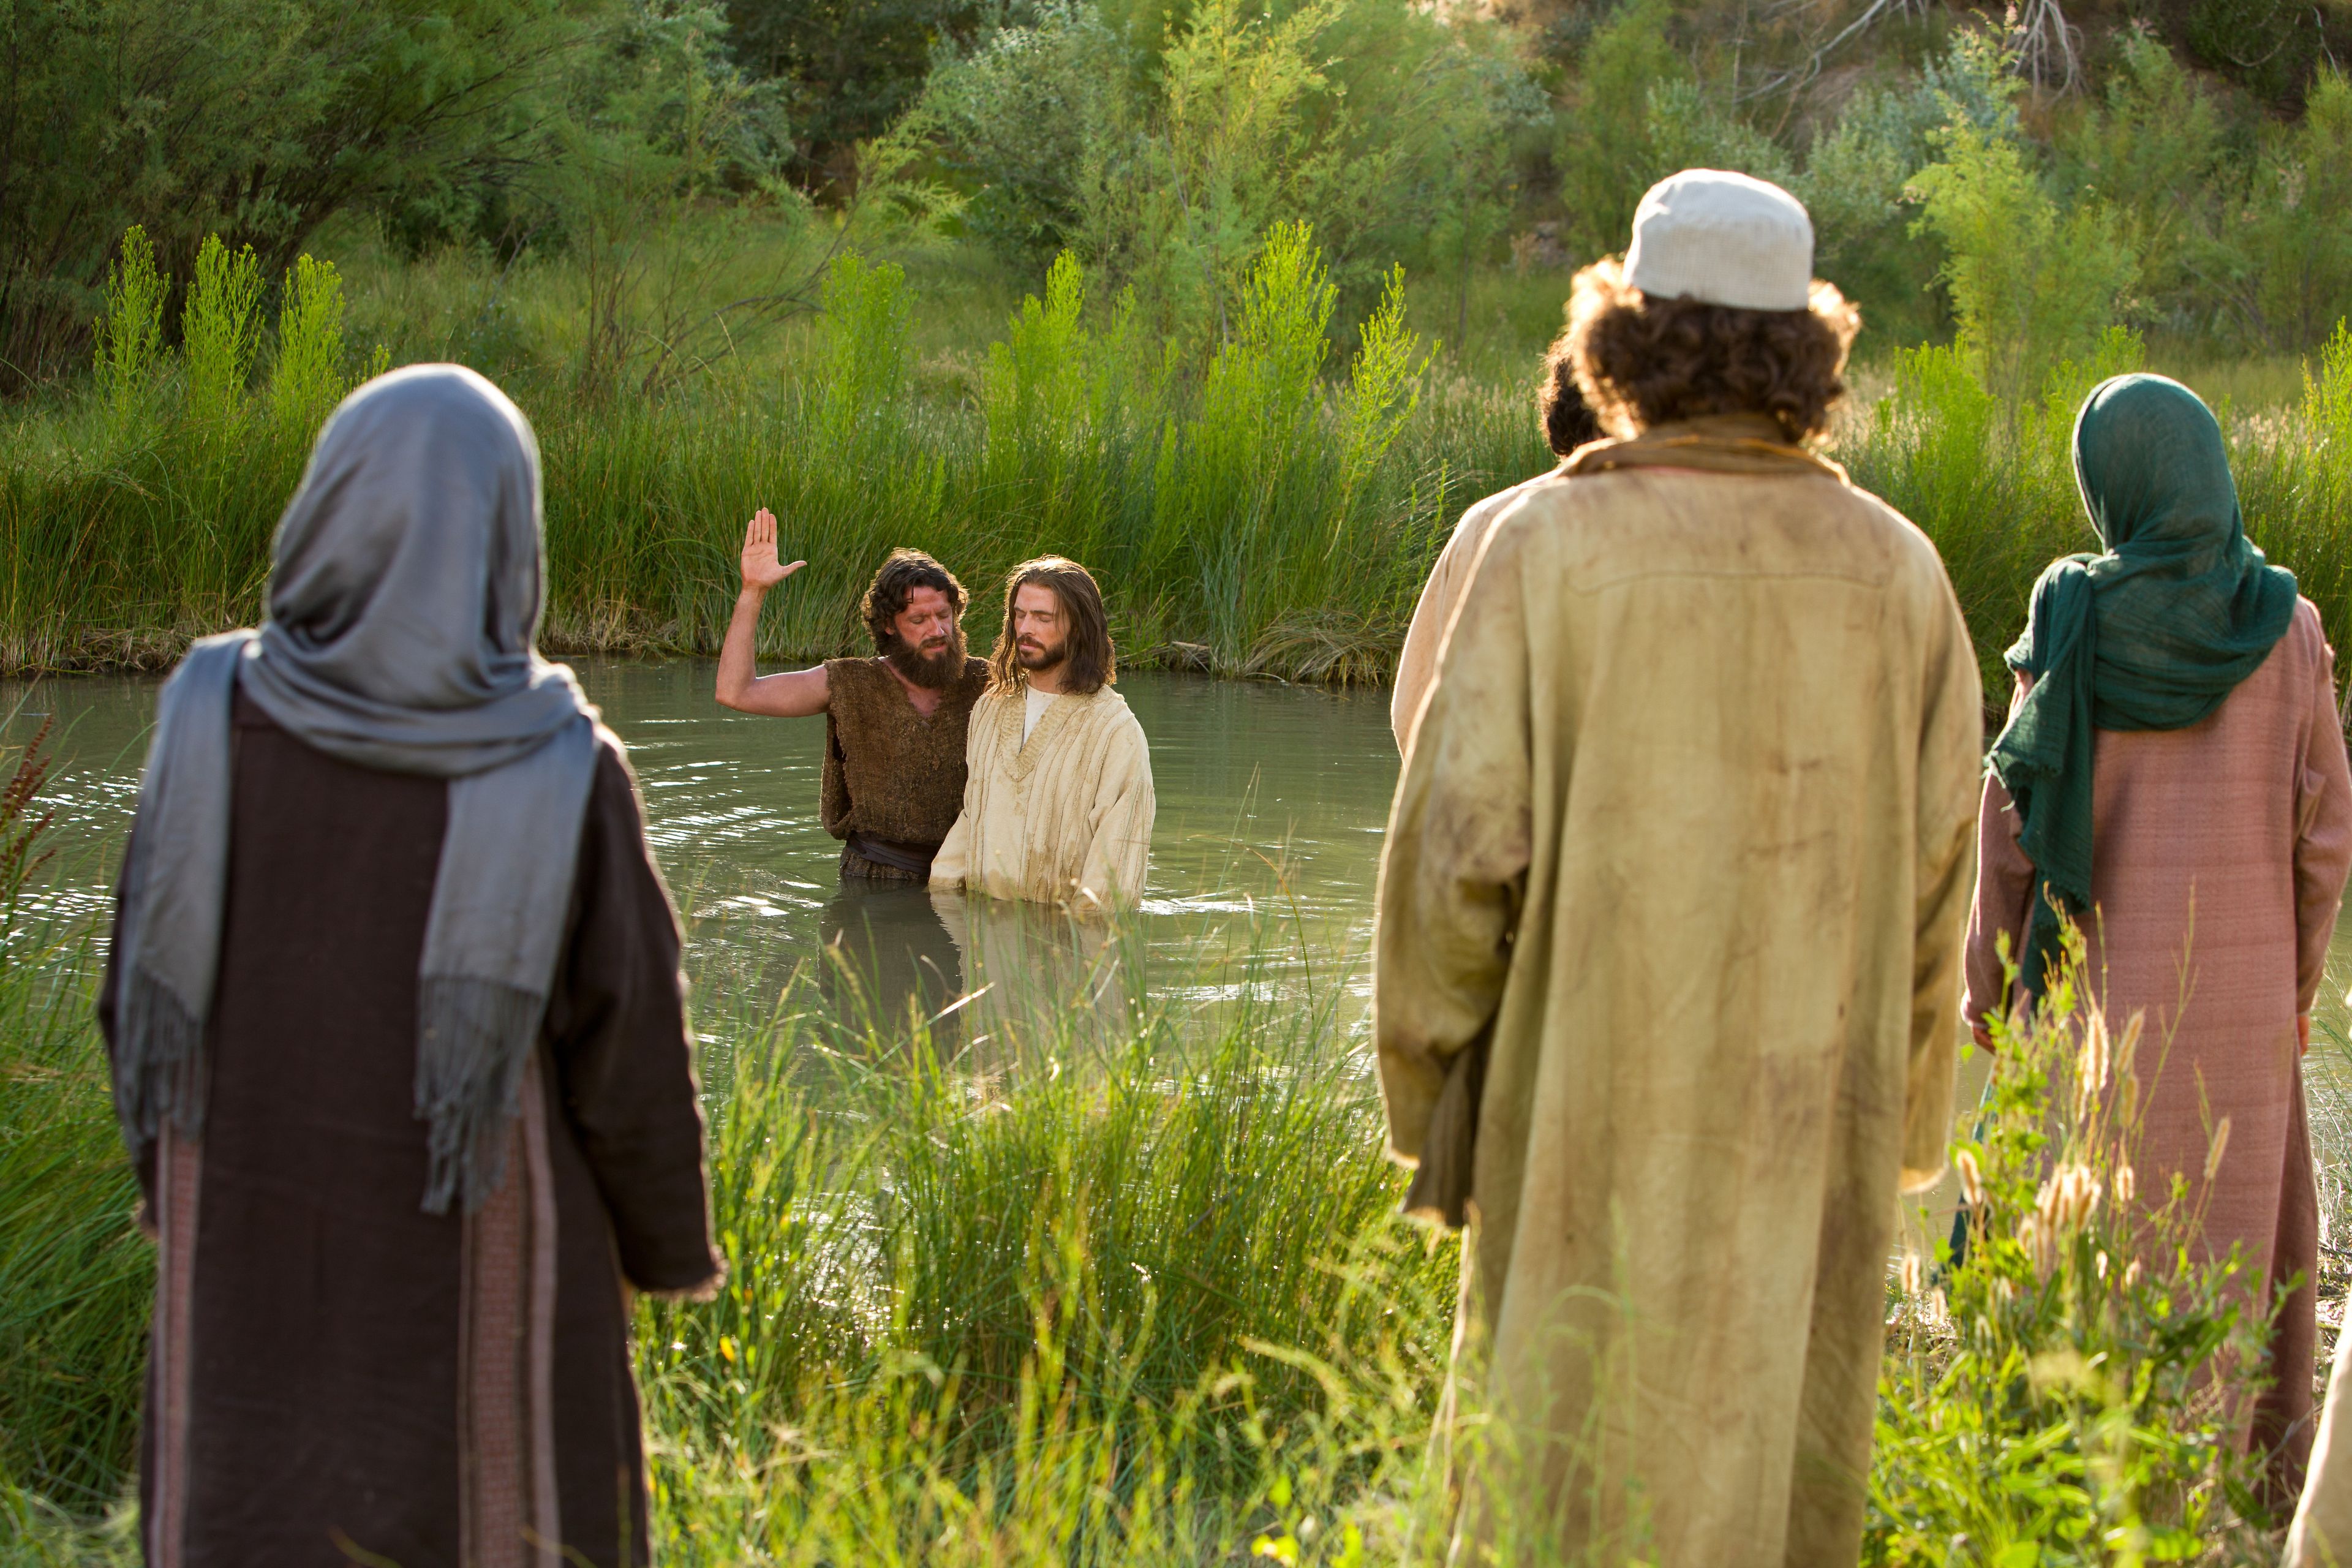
<point x="1855" y="180"/>
<point x="254" y="119"/>
<point x="2032" y="282"/>
<point x="1607" y="156"/>
<point x="1164" y="160"/>
<point x="1030" y="117"/>
<point x="2157" y="151"/>
<point x="2298" y="242"/>
<point x="851" y="67"/>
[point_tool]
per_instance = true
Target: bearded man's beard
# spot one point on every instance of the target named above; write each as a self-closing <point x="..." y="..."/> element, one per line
<point x="935" y="673"/>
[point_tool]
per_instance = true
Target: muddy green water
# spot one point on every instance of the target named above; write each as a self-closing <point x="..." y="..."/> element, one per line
<point x="1272" y="802"/>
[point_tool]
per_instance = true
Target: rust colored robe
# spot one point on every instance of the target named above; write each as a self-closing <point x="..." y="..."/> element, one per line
<point x="2219" y="865"/>
<point x="1687" y="820"/>
<point x="330" y="1364"/>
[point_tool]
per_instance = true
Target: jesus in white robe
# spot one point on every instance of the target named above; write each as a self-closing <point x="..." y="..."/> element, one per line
<point x="1057" y="804"/>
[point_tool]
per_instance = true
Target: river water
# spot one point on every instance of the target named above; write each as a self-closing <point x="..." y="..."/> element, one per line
<point x="1272" y="800"/>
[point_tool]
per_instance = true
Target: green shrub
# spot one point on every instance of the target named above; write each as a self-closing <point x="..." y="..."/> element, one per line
<point x="2298" y="249"/>
<point x="220" y="331"/>
<point x="2033" y="283"/>
<point x="1162" y="151"/>
<point x="1605" y="154"/>
<point x="308" y="380"/>
<point x="2070" y="1393"/>
<point x="130" y="332"/>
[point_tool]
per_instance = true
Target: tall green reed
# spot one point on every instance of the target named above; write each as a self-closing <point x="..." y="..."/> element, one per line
<point x="220" y="332"/>
<point x="309" y="379"/>
<point x="1292" y="546"/>
<point x="1993" y="484"/>
<point x="131" y="331"/>
<point x="74" y="1274"/>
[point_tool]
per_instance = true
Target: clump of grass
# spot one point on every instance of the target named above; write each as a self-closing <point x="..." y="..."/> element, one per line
<point x="1111" y="1288"/>
<point x="2072" y="1393"/>
<point x="74" y="1273"/>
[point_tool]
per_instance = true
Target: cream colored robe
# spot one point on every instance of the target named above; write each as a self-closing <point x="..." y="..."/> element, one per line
<point x="1065" y="818"/>
<point x="1688" y="815"/>
<point x="2321" y="1535"/>
<point x="1417" y="660"/>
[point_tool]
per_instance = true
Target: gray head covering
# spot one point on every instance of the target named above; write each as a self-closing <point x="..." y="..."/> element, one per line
<point x="404" y="601"/>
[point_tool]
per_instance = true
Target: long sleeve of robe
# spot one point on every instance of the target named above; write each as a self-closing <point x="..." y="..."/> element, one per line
<point x="2219" y="854"/>
<point x="1065" y="817"/>
<point x="328" y="1359"/>
<point x="1687" y="818"/>
<point x="1416" y="665"/>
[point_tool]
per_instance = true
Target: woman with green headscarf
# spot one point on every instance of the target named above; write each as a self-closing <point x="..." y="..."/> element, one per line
<point x="2172" y="777"/>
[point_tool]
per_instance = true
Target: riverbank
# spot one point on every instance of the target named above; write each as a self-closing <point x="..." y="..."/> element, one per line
<point x="1265" y="505"/>
<point x="1137" y="1296"/>
<point x="1062" y="1282"/>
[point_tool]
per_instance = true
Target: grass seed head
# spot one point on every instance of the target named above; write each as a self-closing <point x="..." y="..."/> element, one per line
<point x="2213" y="1153"/>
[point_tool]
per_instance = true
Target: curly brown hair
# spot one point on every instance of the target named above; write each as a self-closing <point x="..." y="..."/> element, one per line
<point x="886" y="597"/>
<point x="1568" y="421"/>
<point x="1643" y="362"/>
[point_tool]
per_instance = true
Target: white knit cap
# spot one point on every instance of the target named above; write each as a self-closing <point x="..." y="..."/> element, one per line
<point x="1722" y="238"/>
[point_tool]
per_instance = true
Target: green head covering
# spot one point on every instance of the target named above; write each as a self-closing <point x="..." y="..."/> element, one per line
<point x="2150" y="636"/>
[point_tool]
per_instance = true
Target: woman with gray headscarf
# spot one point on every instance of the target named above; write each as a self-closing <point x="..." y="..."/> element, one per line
<point x="399" y="1046"/>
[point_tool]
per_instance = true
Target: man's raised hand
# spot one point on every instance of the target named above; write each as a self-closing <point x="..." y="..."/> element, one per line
<point x="761" y="570"/>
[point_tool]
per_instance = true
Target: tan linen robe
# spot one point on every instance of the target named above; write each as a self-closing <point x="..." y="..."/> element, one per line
<point x="2321" y="1535"/>
<point x="1064" y="819"/>
<point x="1687" y="816"/>
<point x="2218" y="864"/>
<point x="1417" y="659"/>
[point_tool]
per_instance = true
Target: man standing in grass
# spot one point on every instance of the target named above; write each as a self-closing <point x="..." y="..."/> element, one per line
<point x="1670" y="920"/>
<point x="1057" y="803"/>
<point x="894" y="724"/>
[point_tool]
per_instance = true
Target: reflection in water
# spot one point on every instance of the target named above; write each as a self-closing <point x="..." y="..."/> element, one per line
<point x="891" y="961"/>
<point x="1272" y="802"/>
<point x="1037" y="972"/>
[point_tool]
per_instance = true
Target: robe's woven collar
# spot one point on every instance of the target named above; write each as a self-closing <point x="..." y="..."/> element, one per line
<point x="1010" y="714"/>
<point x="1720" y="444"/>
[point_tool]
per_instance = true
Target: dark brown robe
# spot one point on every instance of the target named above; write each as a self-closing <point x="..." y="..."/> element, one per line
<point x="890" y="773"/>
<point x="332" y="1367"/>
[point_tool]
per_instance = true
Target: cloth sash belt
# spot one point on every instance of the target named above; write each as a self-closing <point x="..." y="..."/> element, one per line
<point x="913" y="858"/>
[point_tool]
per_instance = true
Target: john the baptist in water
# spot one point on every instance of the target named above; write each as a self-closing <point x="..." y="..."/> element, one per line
<point x="895" y="724"/>
<point x="1669" y="922"/>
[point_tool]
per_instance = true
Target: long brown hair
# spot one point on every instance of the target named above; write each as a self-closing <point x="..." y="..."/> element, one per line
<point x="1090" y="663"/>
